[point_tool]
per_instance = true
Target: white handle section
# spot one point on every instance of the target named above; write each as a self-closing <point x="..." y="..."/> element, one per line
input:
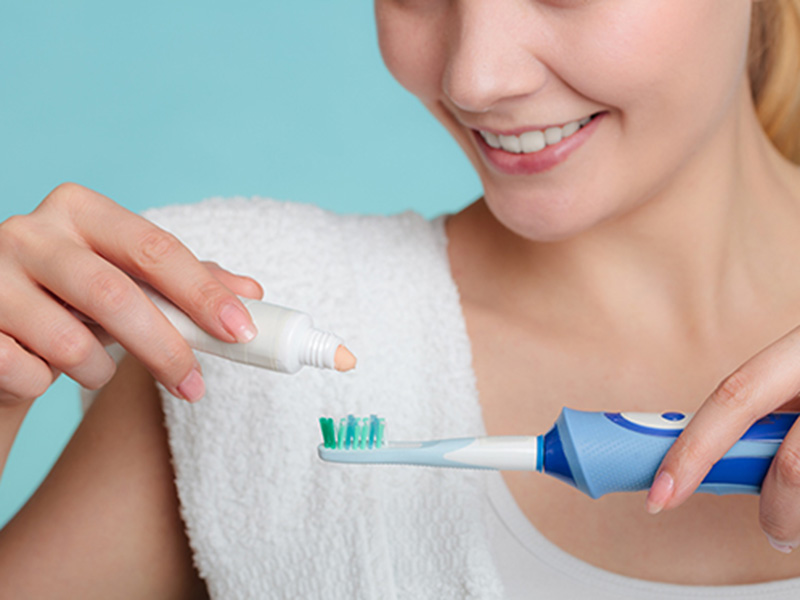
<point x="506" y="453"/>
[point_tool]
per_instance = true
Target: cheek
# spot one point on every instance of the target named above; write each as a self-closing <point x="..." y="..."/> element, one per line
<point x="652" y="68"/>
<point x="675" y="56"/>
<point x="411" y="48"/>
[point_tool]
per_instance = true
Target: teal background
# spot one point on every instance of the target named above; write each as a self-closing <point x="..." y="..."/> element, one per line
<point x="154" y="103"/>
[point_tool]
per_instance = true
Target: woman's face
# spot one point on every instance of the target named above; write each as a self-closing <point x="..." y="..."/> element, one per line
<point x="657" y="81"/>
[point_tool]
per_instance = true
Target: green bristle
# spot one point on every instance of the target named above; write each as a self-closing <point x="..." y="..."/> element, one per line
<point x="328" y="433"/>
<point x="366" y="433"/>
<point x="381" y="427"/>
<point x="331" y="434"/>
<point x="342" y="429"/>
<point x="357" y="437"/>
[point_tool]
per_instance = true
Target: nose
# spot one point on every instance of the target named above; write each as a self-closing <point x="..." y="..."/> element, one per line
<point x="492" y="54"/>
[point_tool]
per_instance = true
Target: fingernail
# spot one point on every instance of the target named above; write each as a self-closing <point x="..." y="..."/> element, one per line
<point x="193" y="387"/>
<point x="660" y="492"/>
<point x="780" y="546"/>
<point x="237" y="323"/>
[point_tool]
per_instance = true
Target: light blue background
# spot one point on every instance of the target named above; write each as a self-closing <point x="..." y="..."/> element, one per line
<point x="158" y="102"/>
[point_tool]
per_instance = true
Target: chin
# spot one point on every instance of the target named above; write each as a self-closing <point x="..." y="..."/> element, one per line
<point x="553" y="220"/>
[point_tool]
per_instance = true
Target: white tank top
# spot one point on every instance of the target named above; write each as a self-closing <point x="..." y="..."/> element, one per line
<point x="531" y="566"/>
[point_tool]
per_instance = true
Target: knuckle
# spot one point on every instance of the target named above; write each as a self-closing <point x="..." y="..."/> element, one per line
<point x="683" y="448"/>
<point x="735" y="391"/>
<point x="37" y="386"/>
<point x="208" y="294"/>
<point x="17" y="382"/>
<point x="155" y="247"/>
<point x="687" y="450"/>
<point x="71" y="348"/>
<point x="108" y="292"/>
<point x="64" y="195"/>
<point x="787" y="466"/>
<point x="8" y="357"/>
<point x="212" y="265"/>
<point x="15" y="232"/>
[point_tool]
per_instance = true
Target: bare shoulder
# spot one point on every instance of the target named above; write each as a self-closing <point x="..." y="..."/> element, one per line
<point x="105" y="523"/>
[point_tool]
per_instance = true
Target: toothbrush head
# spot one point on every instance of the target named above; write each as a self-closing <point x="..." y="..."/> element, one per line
<point x="361" y="440"/>
<point x="353" y="433"/>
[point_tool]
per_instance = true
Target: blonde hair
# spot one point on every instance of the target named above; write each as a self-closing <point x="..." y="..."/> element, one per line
<point x="774" y="70"/>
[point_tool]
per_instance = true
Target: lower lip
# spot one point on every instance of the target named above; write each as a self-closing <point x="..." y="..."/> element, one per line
<point x="537" y="162"/>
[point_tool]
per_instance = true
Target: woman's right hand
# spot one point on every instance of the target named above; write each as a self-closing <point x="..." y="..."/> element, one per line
<point x="78" y="250"/>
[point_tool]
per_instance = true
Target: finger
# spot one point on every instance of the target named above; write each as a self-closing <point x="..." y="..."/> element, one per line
<point x="759" y="386"/>
<point x="157" y="257"/>
<point x="101" y="334"/>
<point x="238" y="284"/>
<point x="779" y="510"/>
<point x="47" y="329"/>
<point x="108" y="296"/>
<point x="23" y="376"/>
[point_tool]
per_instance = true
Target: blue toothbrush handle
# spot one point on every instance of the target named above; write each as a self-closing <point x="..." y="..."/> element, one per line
<point x="600" y="453"/>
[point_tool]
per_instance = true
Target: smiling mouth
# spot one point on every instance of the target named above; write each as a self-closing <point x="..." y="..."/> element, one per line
<point x="536" y="140"/>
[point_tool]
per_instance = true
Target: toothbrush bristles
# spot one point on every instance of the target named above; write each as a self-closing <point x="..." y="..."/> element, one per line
<point x="328" y="432"/>
<point x="373" y="430"/>
<point x="353" y="433"/>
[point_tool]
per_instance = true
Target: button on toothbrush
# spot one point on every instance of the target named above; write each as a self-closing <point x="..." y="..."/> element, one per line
<point x="595" y="452"/>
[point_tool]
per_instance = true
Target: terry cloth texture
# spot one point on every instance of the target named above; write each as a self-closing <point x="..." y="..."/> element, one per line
<point x="265" y="517"/>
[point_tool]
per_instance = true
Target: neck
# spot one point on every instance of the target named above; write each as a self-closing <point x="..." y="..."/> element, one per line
<point x="712" y="245"/>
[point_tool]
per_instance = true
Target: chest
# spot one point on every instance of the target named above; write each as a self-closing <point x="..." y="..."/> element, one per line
<point x="524" y="379"/>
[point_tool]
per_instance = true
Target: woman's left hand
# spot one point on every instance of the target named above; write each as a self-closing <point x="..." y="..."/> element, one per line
<point x="767" y="382"/>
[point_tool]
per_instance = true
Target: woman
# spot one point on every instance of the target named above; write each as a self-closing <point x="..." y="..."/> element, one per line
<point x="634" y="246"/>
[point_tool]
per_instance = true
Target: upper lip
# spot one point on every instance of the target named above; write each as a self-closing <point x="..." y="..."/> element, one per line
<point x="523" y="129"/>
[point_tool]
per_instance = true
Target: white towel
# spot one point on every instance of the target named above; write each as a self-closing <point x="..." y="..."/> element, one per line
<point x="266" y="518"/>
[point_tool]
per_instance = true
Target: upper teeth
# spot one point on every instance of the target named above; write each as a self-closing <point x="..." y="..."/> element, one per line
<point x="533" y="141"/>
